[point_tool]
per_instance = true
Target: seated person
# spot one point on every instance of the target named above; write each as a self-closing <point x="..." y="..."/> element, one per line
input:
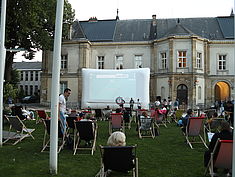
<point x="117" y="139"/>
<point x="185" y="119"/>
<point x="224" y="134"/>
<point x="212" y="123"/>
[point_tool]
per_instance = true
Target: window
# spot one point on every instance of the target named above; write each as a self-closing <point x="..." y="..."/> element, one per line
<point x="100" y="62"/>
<point x="163" y="60"/>
<point x="163" y="91"/>
<point x="21" y="75"/>
<point x="119" y="62"/>
<point x="138" y="61"/>
<point x="36" y="75"/>
<point x="31" y="89"/>
<point x="182" y="59"/>
<point x="36" y="90"/>
<point x="26" y="90"/>
<point x="26" y="76"/>
<point x="64" y="61"/>
<point x="63" y="85"/>
<point x="199" y="93"/>
<point x="31" y="76"/>
<point x="222" y="62"/>
<point x="199" y="60"/>
<point x="21" y="88"/>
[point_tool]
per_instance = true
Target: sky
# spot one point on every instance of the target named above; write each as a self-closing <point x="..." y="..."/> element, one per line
<point x="138" y="9"/>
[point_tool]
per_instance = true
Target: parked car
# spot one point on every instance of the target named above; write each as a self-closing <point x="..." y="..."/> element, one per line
<point x="29" y="99"/>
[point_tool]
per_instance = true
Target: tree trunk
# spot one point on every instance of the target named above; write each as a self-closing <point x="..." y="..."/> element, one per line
<point x="8" y="66"/>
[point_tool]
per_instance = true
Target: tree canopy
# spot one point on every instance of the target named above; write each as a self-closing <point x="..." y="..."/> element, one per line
<point x="31" y="25"/>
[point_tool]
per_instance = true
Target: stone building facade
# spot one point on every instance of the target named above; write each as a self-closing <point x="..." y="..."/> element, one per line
<point x="191" y="59"/>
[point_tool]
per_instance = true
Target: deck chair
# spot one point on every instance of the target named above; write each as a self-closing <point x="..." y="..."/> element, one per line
<point x="17" y="111"/>
<point x="46" y="139"/>
<point x="18" y="130"/>
<point x="139" y="113"/>
<point x="70" y="125"/>
<point x="194" y="128"/>
<point x="85" y="131"/>
<point x="116" y="123"/>
<point x="127" y="119"/>
<point x="42" y="114"/>
<point x="221" y="157"/>
<point x="146" y="127"/>
<point x="118" y="159"/>
<point x="159" y="119"/>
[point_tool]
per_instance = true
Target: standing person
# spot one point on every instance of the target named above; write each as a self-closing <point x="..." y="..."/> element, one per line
<point x="176" y="104"/>
<point x="138" y="103"/>
<point x="131" y="105"/>
<point x="62" y="106"/>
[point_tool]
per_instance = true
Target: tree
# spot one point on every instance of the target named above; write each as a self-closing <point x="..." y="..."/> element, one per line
<point x="30" y="25"/>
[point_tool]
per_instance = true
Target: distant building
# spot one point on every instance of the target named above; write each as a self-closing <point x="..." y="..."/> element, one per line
<point x="30" y="76"/>
<point x="191" y="59"/>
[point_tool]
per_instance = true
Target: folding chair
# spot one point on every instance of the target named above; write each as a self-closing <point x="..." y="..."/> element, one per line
<point x="159" y="119"/>
<point x="221" y="156"/>
<point x="17" y="111"/>
<point x="146" y="127"/>
<point x="118" y="158"/>
<point x="21" y="131"/>
<point x="46" y="139"/>
<point x="86" y="131"/>
<point x="116" y="123"/>
<point x="127" y="119"/>
<point x="42" y="114"/>
<point x="193" y="129"/>
<point x="139" y="113"/>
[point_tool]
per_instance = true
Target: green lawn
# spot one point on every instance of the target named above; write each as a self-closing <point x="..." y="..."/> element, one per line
<point x="165" y="156"/>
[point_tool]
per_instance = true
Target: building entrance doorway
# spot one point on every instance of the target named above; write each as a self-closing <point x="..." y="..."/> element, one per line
<point x="182" y="94"/>
<point x="222" y="91"/>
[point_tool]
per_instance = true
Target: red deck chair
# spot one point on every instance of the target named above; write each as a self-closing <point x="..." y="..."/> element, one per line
<point x="42" y="114"/>
<point x="159" y="119"/>
<point x="194" y="128"/>
<point x="116" y="122"/>
<point x="221" y="157"/>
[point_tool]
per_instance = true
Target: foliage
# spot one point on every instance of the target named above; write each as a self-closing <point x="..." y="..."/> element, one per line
<point x="9" y="92"/>
<point x="15" y="77"/>
<point x="31" y="25"/>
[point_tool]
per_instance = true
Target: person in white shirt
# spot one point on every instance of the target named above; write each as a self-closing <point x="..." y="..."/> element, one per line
<point x="62" y="106"/>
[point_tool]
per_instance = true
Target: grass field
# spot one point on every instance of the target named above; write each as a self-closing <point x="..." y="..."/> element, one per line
<point x="165" y="156"/>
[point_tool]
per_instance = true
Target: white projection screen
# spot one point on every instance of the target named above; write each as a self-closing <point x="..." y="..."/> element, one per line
<point x="101" y="87"/>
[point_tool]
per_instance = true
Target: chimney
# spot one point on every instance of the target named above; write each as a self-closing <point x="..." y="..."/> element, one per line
<point x="93" y="19"/>
<point x="154" y="20"/>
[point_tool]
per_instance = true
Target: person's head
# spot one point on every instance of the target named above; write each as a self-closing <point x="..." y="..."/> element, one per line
<point x="145" y="114"/>
<point x="225" y="125"/>
<point x="67" y="92"/>
<point x="117" y="139"/>
<point x="189" y="111"/>
<point x="88" y="116"/>
<point x="215" y="114"/>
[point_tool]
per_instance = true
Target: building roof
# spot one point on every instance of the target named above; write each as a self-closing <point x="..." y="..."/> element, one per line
<point x="27" y="65"/>
<point x="213" y="28"/>
<point x="227" y="26"/>
<point x="98" y="30"/>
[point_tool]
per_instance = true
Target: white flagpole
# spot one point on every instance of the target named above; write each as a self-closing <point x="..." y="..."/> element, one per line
<point x="55" y="87"/>
<point x="2" y="62"/>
